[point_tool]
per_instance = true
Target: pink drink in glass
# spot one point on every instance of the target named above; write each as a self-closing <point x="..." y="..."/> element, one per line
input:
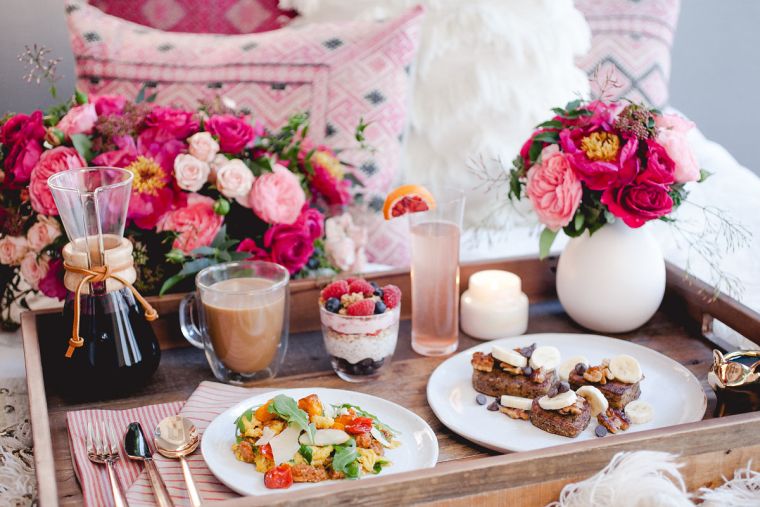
<point x="435" y="276"/>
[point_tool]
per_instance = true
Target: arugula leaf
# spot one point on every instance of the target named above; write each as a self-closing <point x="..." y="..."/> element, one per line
<point x="239" y="421"/>
<point x="345" y="455"/>
<point x="352" y="470"/>
<point x="305" y="451"/>
<point x="287" y="408"/>
<point x="379" y="464"/>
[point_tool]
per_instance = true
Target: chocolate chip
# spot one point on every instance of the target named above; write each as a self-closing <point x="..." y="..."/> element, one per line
<point x="527" y="370"/>
<point x="600" y="431"/>
<point x="527" y="351"/>
<point x="580" y="368"/>
<point x="493" y="407"/>
<point x="563" y="387"/>
<point x="481" y="399"/>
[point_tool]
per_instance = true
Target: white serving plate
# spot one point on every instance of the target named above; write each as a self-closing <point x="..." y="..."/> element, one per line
<point x="674" y="392"/>
<point x="418" y="449"/>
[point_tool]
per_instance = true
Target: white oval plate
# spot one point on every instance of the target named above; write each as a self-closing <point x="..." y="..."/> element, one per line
<point x="673" y="391"/>
<point x="418" y="449"/>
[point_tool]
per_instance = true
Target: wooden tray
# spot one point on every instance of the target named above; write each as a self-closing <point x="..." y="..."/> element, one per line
<point x="466" y="473"/>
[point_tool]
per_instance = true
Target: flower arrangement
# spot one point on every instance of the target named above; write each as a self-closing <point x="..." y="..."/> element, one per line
<point x="209" y="186"/>
<point x="597" y="162"/>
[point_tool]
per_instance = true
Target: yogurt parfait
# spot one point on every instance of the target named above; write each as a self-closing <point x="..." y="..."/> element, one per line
<point x="360" y="326"/>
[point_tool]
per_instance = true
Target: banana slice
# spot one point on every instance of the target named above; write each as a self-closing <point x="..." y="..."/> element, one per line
<point x="625" y="369"/>
<point x="569" y="365"/>
<point x="562" y="400"/>
<point x="596" y="400"/>
<point x="516" y="402"/>
<point x="509" y="356"/>
<point x="545" y="357"/>
<point x="639" y="411"/>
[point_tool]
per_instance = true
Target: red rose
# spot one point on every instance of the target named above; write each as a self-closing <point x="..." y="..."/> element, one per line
<point x="638" y="203"/>
<point x="51" y="284"/>
<point x="234" y="133"/>
<point x="166" y="124"/>
<point x="292" y="245"/>
<point x="22" y="135"/>
<point x="257" y="253"/>
<point x="660" y="168"/>
<point x="110" y="104"/>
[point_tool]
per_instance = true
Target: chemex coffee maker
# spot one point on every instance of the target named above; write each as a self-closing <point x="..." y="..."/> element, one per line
<point x="109" y="345"/>
<point x="735" y="378"/>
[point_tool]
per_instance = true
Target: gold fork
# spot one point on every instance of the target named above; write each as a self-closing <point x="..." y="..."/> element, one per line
<point x="103" y="448"/>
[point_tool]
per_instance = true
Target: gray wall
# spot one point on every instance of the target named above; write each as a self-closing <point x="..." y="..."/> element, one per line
<point x="716" y="65"/>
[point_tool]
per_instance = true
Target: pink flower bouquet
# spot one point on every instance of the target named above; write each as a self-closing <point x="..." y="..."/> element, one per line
<point x="597" y="162"/>
<point x="209" y="186"/>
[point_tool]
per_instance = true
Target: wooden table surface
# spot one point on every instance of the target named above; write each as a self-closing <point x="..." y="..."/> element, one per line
<point x="307" y="364"/>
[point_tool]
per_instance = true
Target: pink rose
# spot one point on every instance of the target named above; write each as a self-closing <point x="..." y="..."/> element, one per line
<point x="554" y="189"/>
<point x="277" y="197"/>
<point x="53" y="161"/>
<point x="671" y="134"/>
<point x="191" y="174"/>
<point x="638" y="203"/>
<point x="43" y="232"/>
<point x="165" y="124"/>
<point x="256" y="252"/>
<point x="33" y="269"/>
<point x="79" y="120"/>
<point x="234" y="179"/>
<point x="203" y="146"/>
<point x="196" y="223"/>
<point x="51" y="284"/>
<point x="12" y="250"/>
<point x="110" y="104"/>
<point x="292" y="245"/>
<point x="234" y="133"/>
<point x="22" y="136"/>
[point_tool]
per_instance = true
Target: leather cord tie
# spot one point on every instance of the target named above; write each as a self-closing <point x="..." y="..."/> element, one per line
<point x="95" y="275"/>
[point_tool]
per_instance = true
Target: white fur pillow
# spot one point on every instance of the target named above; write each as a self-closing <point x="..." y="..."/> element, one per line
<point x="488" y="71"/>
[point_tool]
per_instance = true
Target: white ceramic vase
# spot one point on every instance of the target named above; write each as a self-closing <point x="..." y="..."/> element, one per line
<point x="613" y="281"/>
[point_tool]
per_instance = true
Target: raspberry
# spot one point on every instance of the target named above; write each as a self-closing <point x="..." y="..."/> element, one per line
<point x="334" y="290"/>
<point x="391" y="296"/>
<point x="361" y="308"/>
<point x="361" y="286"/>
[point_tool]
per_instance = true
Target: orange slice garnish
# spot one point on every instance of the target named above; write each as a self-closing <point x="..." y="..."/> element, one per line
<point x="407" y="199"/>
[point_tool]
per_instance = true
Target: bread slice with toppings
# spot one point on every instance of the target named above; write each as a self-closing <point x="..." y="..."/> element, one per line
<point x="494" y="378"/>
<point x="567" y="422"/>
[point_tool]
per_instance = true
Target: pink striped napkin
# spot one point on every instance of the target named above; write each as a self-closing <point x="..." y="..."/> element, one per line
<point x="207" y="401"/>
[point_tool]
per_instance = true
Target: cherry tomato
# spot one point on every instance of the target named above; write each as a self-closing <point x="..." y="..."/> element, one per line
<point x="266" y="451"/>
<point x="359" y="425"/>
<point x="279" y="478"/>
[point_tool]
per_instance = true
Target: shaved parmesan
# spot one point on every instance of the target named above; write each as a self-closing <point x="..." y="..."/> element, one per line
<point x="285" y="445"/>
<point x="380" y="437"/>
<point x="266" y="436"/>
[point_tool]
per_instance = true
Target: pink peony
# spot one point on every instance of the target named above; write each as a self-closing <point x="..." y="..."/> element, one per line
<point x="597" y="169"/>
<point x="43" y="232"/>
<point x="12" y="250"/>
<point x="22" y="136"/>
<point x="671" y="134"/>
<point x="166" y="124"/>
<point x="110" y="105"/>
<point x="196" y="223"/>
<point x="152" y="165"/>
<point x="79" y="120"/>
<point x="327" y="177"/>
<point x="554" y="189"/>
<point x="292" y="245"/>
<point x="51" y="284"/>
<point x="277" y="197"/>
<point x="659" y="166"/>
<point x="234" y="179"/>
<point x="234" y="133"/>
<point x="638" y="203"/>
<point x="190" y="173"/>
<point x="33" y="269"/>
<point x="256" y="252"/>
<point x="53" y="161"/>
<point x="203" y="146"/>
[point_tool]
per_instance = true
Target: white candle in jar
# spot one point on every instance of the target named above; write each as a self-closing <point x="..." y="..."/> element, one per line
<point x="494" y="306"/>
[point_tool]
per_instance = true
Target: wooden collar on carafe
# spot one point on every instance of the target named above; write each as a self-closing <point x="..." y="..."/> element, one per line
<point x="117" y="272"/>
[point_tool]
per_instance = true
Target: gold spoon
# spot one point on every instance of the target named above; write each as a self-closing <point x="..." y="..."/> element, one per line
<point x="176" y="437"/>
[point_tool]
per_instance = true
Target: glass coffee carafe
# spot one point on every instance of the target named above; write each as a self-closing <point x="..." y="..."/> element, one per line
<point x="113" y="349"/>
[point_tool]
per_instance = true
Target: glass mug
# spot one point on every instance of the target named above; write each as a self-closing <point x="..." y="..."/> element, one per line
<point x="239" y="316"/>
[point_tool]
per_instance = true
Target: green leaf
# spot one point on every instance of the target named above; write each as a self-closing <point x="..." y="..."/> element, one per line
<point x="152" y="98"/>
<point x="578" y="223"/>
<point x="535" y="151"/>
<point x="547" y="137"/>
<point x="170" y="282"/>
<point x="141" y="94"/>
<point x="352" y="470"/>
<point x="305" y="451"/>
<point x="83" y="144"/>
<point x="195" y="265"/>
<point x="545" y="242"/>
<point x="220" y="237"/>
<point x="363" y="413"/>
<point x="239" y="421"/>
<point x="550" y="124"/>
<point x="703" y="175"/>
<point x="573" y="105"/>
<point x="345" y="455"/>
<point x="203" y="250"/>
<point x="559" y="111"/>
<point x="176" y="256"/>
<point x="239" y="256"/>
<point x="287" y="408"/>
<point x="80" y="97"/>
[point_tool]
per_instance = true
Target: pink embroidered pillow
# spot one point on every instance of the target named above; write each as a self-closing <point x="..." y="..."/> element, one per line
<point x="631" y="42"/>
<point x="200" y="16"/>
